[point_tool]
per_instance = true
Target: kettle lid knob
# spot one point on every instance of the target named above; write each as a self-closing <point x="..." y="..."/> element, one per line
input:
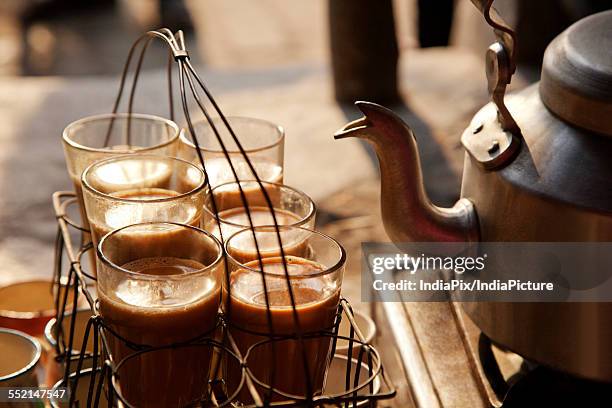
<point x="576" y="83"/>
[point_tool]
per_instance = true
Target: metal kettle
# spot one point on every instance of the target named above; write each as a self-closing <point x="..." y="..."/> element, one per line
<point x="538" y="168"/>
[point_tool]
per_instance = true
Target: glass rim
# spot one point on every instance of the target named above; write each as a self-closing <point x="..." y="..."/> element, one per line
<point x="50" y="329"/>
<point x="278" y="128"/>
<point x="34" y="359"/>
<point x="104" y="259"/>
<point x="122" y="115"/>
<point x="87" y="186"/>
<point x="303" y="220"/>
<point x="271" y="228"/>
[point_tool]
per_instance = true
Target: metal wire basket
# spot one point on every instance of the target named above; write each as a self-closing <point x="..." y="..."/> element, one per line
<point x="364" y="378"/>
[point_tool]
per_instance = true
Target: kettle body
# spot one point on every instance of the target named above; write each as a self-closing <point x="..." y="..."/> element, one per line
<point x="537" y="168"/>
<point x="558" y="188"/>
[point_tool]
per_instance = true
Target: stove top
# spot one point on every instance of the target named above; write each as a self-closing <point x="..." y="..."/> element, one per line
<point x="441" y="359"/>
<point x="546" y="387"/>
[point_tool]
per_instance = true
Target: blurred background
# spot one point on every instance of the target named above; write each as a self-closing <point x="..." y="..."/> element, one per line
<point x="72" y="37"/>
<point x="298" y="63"/>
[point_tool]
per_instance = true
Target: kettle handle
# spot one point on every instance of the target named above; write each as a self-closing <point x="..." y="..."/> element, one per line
<point x="500" y="63"/>
<point x="505" y="35"/>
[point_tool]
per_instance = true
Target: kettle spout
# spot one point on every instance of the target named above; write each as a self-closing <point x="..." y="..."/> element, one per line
<point x="408" y="214"/>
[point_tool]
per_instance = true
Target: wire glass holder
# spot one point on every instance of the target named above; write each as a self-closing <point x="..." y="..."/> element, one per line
<point x="69" y="269"/>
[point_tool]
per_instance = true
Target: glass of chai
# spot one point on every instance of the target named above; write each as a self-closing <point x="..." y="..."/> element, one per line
<point x="291" y="207"/>
<point x="159" y="284"/>
<point x="133" y="189"/>
<point x="263" y="142"/>
<point x="94" y="138"/>
<point x="314" y="279"/>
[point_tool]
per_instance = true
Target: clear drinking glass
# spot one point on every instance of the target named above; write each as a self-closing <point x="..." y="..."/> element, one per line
<point x="263" y="142"/>
<point x="141" y="188"/>
<point x="291" y="207"/>
<point x="97" y="137"/>
<point x="159" y="284"/>
<point x="315" y="280"/>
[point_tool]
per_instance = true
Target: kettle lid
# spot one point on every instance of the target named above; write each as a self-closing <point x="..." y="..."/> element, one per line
<point x="576" y="82"/>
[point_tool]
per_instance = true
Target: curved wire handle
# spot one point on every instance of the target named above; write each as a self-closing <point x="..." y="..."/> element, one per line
<point x="503" y="31"/>
<point x="190" y="80"/>
<point x="500" y="63"/>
